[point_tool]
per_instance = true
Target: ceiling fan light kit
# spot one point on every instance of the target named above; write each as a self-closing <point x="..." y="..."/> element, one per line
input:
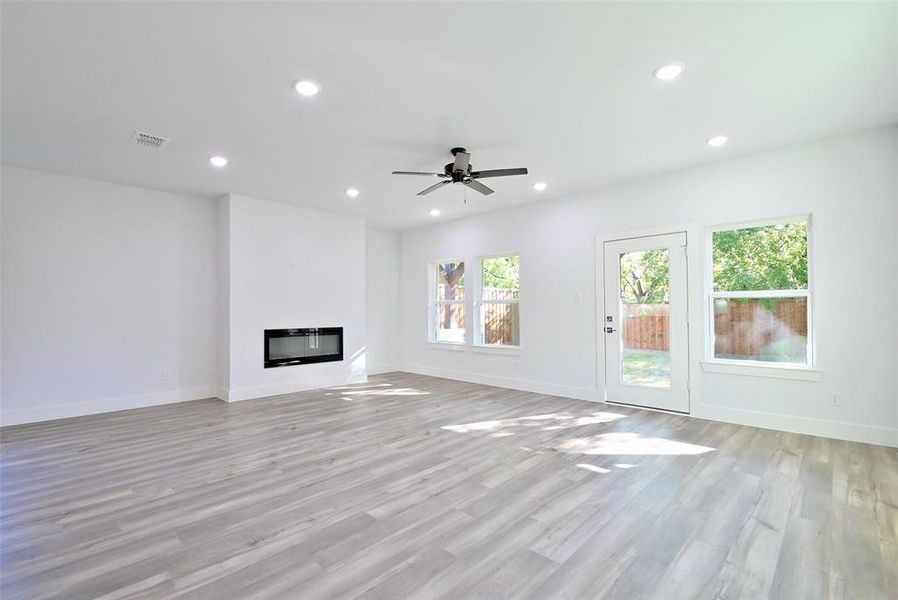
<point x="461" y="171"/>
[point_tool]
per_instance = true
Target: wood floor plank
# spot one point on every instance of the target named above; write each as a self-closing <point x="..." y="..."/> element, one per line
<point x="416" y="487"/>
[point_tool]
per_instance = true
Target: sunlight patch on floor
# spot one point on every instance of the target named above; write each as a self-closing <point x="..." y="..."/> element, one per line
<point x="593" y="468"/>
<point x="390" y="392"/>
<point x="545" y="422"/>
<point x="356" y="386"/>
<point x="627" y="443"/>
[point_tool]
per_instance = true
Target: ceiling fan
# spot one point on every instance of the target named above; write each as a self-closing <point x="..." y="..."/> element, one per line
<point x="462" y="172"/>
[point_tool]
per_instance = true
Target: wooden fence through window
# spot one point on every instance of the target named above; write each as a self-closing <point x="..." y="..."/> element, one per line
<point x="756" y="328"/>
<point x="500" y="321"/>
<point x="743" y="328"/>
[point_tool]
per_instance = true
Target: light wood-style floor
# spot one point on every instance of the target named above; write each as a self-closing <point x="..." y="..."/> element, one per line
<point x="415" y="487"/>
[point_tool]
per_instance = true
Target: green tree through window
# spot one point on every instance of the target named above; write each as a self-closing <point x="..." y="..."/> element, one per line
<point x="769" y="257"/>
<point x="502" y="272"/>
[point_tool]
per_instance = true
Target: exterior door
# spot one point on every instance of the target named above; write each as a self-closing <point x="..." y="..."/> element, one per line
<point x="645" y="322"/>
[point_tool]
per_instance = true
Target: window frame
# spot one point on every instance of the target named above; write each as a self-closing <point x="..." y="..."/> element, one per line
<point x="433" y="302"/>
<point x="748" y="366"/>
<point x="478" y="344"/>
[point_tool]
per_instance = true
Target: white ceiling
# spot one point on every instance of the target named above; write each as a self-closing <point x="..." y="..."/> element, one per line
<point x="564" y="89"/>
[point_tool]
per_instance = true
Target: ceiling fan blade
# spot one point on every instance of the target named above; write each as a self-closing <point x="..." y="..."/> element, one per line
<point x="419" y="173"/>
<point x="433" y="187"/>
<point x="462" y="159"/>
<point x="499" y="173"/>
<point x="476" y="185"/>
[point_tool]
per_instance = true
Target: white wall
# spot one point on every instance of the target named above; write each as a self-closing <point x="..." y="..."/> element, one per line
<point x="382" y="283"/>
<point x="116" y="297"/>
<point x="847" y="183"/>
<point x="107" y="287"/>
<point x="291" y="267"/>
<point x="108" y="296"/>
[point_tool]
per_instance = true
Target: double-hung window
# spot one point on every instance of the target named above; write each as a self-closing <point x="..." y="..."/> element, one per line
<point x="499" y="321"/>
<point x="760" y="297"/>
<point x="447" y="301"/>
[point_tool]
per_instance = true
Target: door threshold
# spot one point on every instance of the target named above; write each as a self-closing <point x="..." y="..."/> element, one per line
<point x="651" y="408"/>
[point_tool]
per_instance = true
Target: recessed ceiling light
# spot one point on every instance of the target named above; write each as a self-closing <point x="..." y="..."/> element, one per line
<point x="307" y="87"/>
<point x="669" y="72"/>
<point x="539" y="186"/>
<point x="352" y="193"/>
<point x="717" y="141"/>
<point x="434" y="212"/>
<point x="218" y="161"/>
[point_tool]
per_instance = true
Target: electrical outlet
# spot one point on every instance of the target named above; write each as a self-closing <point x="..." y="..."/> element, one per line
<point x="166" y="376"/>
<point x="578" y="297"/>
<point x="836" y="399"/>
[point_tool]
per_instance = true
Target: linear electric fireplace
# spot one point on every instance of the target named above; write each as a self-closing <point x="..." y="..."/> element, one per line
<point x="285" y="347"/>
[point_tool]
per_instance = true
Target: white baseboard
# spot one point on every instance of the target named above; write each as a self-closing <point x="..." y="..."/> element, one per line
<point x="91" y="407"/>
<point x="525" y="385"/>
<point x="870" y="434"/>
<point x="852" y="432"/>
<point x="291" y="387"/>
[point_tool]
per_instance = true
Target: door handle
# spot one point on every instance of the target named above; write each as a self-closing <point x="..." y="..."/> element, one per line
<point x="609" y="330"/>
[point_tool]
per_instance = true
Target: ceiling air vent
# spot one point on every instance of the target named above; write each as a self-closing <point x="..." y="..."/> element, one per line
<point x="143" y="138"/>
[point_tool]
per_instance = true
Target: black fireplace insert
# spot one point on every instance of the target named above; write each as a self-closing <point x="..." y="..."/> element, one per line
<point x="286" y="347"/>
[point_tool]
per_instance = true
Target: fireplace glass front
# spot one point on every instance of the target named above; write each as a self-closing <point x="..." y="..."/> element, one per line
<point x="286" y="347"/>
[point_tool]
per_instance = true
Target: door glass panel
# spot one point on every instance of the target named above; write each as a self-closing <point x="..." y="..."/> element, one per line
<point x="645" y="318"/>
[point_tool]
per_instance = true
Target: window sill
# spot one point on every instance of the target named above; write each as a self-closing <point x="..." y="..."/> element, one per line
<point x="494" y="349"/>
<point x="756" y="370"/>
<point x="458" y="346"/>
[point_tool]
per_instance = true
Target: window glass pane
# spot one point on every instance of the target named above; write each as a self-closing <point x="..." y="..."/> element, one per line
<point x="769" y="257"/>
<point x="500" y="278"/>
<point x="450" y="323"/>
<point x="645" y="318"/>
<point x="450" y="280"/>
<point x="765" y="329"/>
<point x="501" y="324"/>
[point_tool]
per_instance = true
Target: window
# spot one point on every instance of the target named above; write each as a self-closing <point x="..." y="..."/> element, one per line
<point x="447" y="302"/>
<point x="760" y="301"/>
<point x="499" y="316"/>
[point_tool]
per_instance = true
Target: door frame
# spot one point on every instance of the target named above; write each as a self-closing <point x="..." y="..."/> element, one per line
<point x="694" y="328"/>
